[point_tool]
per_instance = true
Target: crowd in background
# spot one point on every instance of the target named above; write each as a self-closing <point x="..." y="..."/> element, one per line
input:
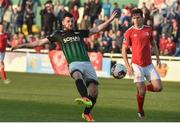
<point x="20" y="22"/>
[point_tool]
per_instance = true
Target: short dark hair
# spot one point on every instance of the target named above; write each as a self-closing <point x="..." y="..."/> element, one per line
<point x="67" y="14"/>
<point x="136" y="11"/>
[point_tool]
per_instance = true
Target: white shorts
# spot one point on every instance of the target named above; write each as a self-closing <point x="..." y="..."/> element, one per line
<point x="141" y="73"/>
<point x="85" y="68"/>
<point x="2" y="55"/>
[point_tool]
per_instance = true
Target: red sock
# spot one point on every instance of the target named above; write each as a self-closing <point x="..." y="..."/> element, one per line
<point x="150" y="87"/>
<point x="3" y="74"/>
<point x="140" y="101"/>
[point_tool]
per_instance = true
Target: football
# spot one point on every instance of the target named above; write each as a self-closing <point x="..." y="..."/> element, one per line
<point x="118" y="71"/>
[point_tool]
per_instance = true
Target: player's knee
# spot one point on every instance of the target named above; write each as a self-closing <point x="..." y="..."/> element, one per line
<point x="77" y="75"/>
<point x="142" y="91"/>
<point x="158" y="89"/>
<point x="93" y="92"/>
<point x="93" y="89"/>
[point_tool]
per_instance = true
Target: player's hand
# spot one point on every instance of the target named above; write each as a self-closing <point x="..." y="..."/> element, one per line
<point x="158" y="62"/>
<point x="129" y="70"/>
<point x="114" y="14"/>
<point x="17" y="47"/>
<point x="13" y="48"/>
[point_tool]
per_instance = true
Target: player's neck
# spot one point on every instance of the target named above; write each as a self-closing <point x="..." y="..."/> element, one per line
<point x="139" y="26"/>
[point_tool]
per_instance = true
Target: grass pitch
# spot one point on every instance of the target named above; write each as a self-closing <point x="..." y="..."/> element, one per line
<point x="43" y="97"/>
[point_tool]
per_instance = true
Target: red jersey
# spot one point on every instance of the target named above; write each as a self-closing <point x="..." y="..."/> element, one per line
<point x="3" y="41"/>
<point x="139" y="40"/>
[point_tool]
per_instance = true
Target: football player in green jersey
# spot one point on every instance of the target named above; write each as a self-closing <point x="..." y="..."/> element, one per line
<point x="80" y="67"/>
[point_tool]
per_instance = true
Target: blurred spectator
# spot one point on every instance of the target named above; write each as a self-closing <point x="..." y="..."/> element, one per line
<point x="14" y="40"/>
<point x="56" y="9"/>
<point x="99" y="20"/>
<point x="20" y="19"/>
<point x="7" y="18"/>
<point x="126" y="25"/>
<point x="164" y="8"/>
<point x="29" y="18"/>
<point x="156" y="37"/>
<point x="146" y="15"/>
<point x="32" y="38"/>
<point x="107" y="8"/>
<point x="116" y="24"/>
<point x="75" y="14"/>
<point x="144" y="6"/>
<point x="149" y="22"/>
<point x="166" y="26"/>
<point x="152" y="9"/>
<point x="157" y="20"/>
<point x="60" y="16"/>
<point x="170" y="46"/>
<point x="109" y="27"/>
<point x="117" y="43"/>
<point x="117" y="9"/>
<point x="162" y="44"/>
<point x="3" y="6"/>
<point x="72" y="3"/>
<point x="48" y="18"/>
<point x="85" y="23"/>
<point x="87" y="5"/>
<point x="13" y="23"/>
<point x="106" y="42"/>
<point x="95" y="10"/>
<point x="17" y="39"/>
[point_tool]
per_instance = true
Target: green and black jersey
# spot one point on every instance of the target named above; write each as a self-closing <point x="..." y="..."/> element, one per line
<point x="72" y="44"/>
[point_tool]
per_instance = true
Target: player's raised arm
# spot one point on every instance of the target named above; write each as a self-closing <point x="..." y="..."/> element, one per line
<point x="103" y="25"/>
<point x="32" y="44"/>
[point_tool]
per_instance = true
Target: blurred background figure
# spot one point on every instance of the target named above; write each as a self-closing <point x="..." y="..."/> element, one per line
<point x="3" y="43"/>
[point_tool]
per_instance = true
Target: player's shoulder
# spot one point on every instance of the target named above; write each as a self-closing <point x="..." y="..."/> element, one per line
<point x="56" y="32"/>
<point x="130" y="29"/>
<point x="83" y="30"/>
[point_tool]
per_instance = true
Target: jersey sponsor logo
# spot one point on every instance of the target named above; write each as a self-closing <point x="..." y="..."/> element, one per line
<point x="147" y="33"/>
<point x="135" y="35"/>
<point x="76" y="32"/>
<point x="71" y="39"/>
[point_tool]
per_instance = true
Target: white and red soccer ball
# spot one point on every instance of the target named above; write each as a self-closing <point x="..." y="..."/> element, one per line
<point x="118" y="71"/>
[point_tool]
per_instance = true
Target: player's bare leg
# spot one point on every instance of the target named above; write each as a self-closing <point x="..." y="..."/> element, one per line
<point x="141" y="91"/>
<point x="154" y="86"/>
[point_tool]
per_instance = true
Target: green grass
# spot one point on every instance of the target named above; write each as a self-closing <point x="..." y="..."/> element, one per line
<point x="43" y="97"/>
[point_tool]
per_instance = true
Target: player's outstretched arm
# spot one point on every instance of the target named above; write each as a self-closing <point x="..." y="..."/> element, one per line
<point x="32" y="44"/>
<point x="103" y="25"/>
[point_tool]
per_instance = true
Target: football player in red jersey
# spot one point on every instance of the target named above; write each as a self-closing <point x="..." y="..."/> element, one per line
<point x="139" y="38"/>
<point x="3" y="43"/>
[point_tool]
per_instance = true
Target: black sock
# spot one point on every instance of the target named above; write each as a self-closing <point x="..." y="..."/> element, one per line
<point x="88" y="110"/>
<point x="81" y="87"/>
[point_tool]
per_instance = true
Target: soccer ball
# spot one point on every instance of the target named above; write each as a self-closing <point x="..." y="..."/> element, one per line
<point x="118" y="71"/>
